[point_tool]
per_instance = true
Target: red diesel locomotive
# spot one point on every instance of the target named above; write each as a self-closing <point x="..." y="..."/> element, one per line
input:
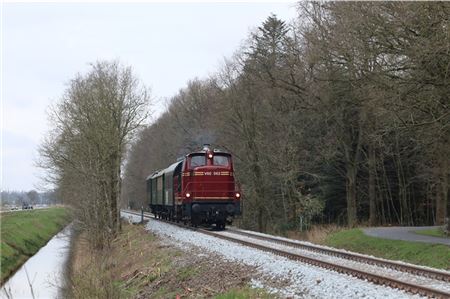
<point x="200" y="189"/>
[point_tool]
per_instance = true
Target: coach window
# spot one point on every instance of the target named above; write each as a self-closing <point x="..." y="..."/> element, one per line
<point x="198" y="161"/>
<point x="221" y="160"/>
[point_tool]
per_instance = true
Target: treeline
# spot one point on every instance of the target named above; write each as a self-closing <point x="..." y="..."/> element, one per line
<point x="30" y="197"/>
<point x="341" y="116"/>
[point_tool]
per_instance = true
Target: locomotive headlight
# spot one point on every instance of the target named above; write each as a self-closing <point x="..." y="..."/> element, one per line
<point x="210" y="155"/>
<point x="188" y="195"/>
<point x="238" y="195"/>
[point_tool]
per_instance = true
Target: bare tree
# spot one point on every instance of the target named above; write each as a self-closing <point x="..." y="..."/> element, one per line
<point x="93" y="123"/>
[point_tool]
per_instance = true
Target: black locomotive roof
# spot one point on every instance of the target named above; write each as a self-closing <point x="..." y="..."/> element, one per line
<point x="160" y="172"/>
<point x="206" y="149"/>
<point x="154" y="174"/>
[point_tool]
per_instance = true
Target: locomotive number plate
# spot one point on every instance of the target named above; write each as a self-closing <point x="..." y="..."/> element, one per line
<point x="200" y="173"/>
<point x="212" y="173"/>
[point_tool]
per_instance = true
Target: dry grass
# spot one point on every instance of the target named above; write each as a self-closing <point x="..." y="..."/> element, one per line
<point x="317" y="234"/>
<point x="139" y="265"/>
<point x="132" y="261"/>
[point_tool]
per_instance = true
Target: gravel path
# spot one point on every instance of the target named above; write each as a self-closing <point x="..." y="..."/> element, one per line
<point x="405" y="233"/>
<point x="299" y="280"/>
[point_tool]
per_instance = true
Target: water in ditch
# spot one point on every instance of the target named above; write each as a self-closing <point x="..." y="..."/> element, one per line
<point x="44" y="271"/>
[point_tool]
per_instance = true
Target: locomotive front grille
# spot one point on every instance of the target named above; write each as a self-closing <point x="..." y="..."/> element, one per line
<point x="215" y="190"/>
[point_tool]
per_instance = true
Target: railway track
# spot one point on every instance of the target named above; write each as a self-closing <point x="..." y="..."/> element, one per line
<point x="408" y="268"/>
<point x="315" y="255"/>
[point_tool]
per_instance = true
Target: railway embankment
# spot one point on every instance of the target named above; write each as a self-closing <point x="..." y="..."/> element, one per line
<point x="300" y="270"/>
<point x="142" y="264"/>
<point x="23" y="233"/>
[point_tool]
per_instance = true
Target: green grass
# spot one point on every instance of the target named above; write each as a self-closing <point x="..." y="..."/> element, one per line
<point x="164" y="292"/>
<point x="432" y="255"/>
<point x="434" y="232"/>
<point x="186" y="272"/>
<point x="23" y="233"/>
<point x="244" y="293"/>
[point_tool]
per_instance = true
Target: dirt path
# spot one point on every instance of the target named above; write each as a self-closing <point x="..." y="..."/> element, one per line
<point x="405" y="233"/>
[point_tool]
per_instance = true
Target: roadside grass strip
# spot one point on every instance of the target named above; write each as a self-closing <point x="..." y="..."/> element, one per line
<point x="433" y="232"/>
<point x="431" y="255"/>
<point x="23" y="233"/>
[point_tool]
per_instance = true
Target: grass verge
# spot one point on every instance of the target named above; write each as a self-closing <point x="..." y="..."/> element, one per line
<point x="432" y="255"/>
<point x="434" y="232"/>
<point x="23" y="233"/>
<point x="140" y="265"/>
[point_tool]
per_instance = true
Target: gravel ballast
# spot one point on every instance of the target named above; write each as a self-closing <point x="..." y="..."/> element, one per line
<point x="379" y="270"/>
<point x="298" y="280"/>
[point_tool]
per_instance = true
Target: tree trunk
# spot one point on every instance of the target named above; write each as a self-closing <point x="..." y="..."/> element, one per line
<point x="441" y="201"/>
<point x="285" y="212"/>
<point x="442" y="193"/>
<point x="351" y="195"/>
<point x="372" y="194"/>
<point x="260" y="219"/>
<point x="258" y="183"/>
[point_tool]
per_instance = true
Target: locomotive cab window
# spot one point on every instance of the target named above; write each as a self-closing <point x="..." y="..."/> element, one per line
<point x="198" y="160"/>
<point x="221" y="160"/>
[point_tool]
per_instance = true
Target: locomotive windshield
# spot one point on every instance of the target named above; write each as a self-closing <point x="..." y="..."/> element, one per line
<point x="198" y="160"/>
<point x="221" y="160"/>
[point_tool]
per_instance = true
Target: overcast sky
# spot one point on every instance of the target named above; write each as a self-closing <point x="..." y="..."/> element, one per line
<point x="45" y="45"/>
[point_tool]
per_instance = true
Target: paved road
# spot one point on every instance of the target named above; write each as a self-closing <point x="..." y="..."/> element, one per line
<point x="20" y="209"/>
<point x="405" y="233"/>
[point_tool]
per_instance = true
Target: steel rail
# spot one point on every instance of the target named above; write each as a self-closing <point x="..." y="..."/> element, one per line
<point x="374" y="278"/>
<point x="412" y="269"/>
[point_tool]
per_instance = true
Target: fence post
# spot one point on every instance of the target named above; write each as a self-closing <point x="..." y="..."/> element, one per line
<point x="142" y="214"/>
